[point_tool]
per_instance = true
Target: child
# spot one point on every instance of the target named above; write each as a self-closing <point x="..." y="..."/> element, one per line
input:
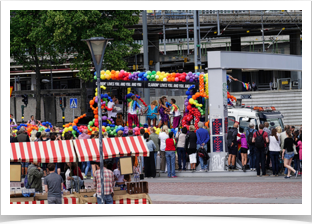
<point x="133" y="109"/>
<point x="175" y="110"/>
<point x="151" y="113"/>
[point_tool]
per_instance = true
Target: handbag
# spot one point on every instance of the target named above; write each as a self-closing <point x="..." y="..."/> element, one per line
<point x="266" y="150"/>
<point x="295" y="150"/>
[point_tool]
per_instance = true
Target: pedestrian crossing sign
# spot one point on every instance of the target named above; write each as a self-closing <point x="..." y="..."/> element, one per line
<point x="73" y="102"/>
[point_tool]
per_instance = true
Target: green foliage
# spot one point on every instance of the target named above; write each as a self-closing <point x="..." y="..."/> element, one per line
<point x="70" y="27"/>
<point x="59" y="34"/>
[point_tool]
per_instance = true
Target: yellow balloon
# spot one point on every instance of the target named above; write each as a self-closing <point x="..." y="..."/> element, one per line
<point x="191" y="101"/>
<point x="102" y="72"/>
<point x="65" y="129"/>
<point x="102" y="76"/>
<point x="95" y="93"/>
<point x="70" y="128"/>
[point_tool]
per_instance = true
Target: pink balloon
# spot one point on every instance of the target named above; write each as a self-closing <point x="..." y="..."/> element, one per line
<point x="176" y="79"/>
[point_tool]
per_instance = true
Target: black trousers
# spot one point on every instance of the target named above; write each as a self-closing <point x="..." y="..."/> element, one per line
<point x="260" y="158"/>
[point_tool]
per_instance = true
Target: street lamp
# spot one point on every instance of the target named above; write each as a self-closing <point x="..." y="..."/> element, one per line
<point x="97" y="46"/>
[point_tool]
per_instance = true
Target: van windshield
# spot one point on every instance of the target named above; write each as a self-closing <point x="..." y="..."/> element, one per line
<point x="274" y="122"/>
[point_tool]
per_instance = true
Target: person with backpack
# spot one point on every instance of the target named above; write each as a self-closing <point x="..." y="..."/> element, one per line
<point x="232" y="146"/>
<point x="260" y="138"/>
<point x="34" y="176"/>
<point x="252" y="149"/>
<point x="202" y="140"/>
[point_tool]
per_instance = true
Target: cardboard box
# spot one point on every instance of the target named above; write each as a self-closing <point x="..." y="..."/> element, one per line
<point x="43" y="196"/>
<point x="121" y="192"/>
<point x="116" y="189"/>
<point x="89" y="194"/>
<point x="22" y="199"/>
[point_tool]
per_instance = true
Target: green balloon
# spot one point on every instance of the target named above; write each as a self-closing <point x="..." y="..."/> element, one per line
<point x="153" y="72"/>
<point x="148" y="72"/>
<point x="74" y="132"/>
<point x="148" y="76"/>
<point x="129" y="100"/>
<point x="153" y="76"/>
<point x="195" y="101"/>
<point x="90" y="123"/>
<point x="108" y="128"/>
<point x="95" y="78"/>
<point x="115" y="134"/>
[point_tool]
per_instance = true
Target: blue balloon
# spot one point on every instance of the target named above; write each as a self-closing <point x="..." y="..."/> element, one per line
<point x="105" y="95"/>
<point x="47" y="130"/>
<point x="139" y="79"/>
<point x="189" y="97"/>
<point x="187" y="93"/>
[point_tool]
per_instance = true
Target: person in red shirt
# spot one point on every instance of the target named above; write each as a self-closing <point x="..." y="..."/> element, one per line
<point x="260" y="149"/>
<point x="170" y="155"/>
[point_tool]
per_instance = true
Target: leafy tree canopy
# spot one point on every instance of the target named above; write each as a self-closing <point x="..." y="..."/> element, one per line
<point x="69" y="27"/>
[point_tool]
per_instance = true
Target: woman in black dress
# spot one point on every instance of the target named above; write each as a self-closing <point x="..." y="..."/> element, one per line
<point x="149" y="162"/>
<point x="190" y="147"/>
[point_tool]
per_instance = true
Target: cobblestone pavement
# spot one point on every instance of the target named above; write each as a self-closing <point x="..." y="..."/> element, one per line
<point x="248" y="190"/>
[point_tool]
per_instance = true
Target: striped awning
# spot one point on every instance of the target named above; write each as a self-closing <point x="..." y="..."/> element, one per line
<point x="43" y="152"/>
<point x="88" y="149"/>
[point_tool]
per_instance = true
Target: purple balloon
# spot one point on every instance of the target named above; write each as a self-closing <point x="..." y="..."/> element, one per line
<point x="191" y="80"/>
<point x="104" y="118"/>
<point x="186" y="103"/>
<point x="187" y="77"/>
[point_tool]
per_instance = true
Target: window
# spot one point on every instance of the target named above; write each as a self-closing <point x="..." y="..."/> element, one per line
<point x="231" y="121"/>
<point x="245" y="124"/>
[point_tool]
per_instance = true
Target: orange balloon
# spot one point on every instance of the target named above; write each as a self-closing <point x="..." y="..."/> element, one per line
<point x="91" y="102"/>
<point x="96" y="116"/>
<point x="76" y="121"/>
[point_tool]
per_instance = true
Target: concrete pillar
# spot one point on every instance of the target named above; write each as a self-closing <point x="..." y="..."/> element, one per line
<point x="236" y="73"/>
<point x="153" y="50"/>
<point x="217" y="118"/>
<point x="295" y="49"/>
<point x="33" y="82"/>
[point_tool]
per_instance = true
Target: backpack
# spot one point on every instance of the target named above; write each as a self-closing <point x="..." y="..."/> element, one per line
<point x="249" y="138"/>
<point x="230" y="137"/>
<point x="26" y="183"/>
<point x="259" y="142"/>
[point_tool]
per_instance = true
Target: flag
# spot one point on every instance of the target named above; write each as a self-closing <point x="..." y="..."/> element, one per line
<point x="11" y="89"/>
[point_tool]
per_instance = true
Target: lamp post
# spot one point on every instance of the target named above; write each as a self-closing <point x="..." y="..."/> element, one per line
<point x="97" y="46"/>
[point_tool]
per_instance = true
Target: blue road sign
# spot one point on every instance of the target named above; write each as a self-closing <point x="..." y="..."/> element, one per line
<point x="73" y="102"/>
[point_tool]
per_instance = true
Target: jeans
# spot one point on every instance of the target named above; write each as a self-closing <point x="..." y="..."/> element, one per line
<point x="170" y="158"/>
<point x="252" y="161"/>
<point x="54" y="200"/>
<point x="87" y="169"/>
<point x="108" y="199"/>
<point x="155" y="157"/>
<point x="260" y="158"/>
<point x="83" y="166"/>
<point x="74" y="183"/>
<point x="297" y="164"/>
<point x="25" y="165"/>
<point x="181" y="156"/>
<point x="275" y="162"/>
<point x="201" y="161"/>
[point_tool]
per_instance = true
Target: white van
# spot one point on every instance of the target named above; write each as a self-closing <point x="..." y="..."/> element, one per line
<point x="257" y="115"/>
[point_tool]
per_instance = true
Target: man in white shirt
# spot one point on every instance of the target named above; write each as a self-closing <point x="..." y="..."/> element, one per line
<point x="163" y="135"/>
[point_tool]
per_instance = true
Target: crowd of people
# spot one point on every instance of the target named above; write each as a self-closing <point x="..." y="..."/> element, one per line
<point x="268" y="147"/>
<point x="261" y="149"/>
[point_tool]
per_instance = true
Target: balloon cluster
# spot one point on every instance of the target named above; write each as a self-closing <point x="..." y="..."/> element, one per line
<point x="21" y="125"/>
<point x="230" y="99"/>
<point x="206" y="84"/>
<point x="129" y="95"/>
<point x="148" y="76"/>
<point x="30" y="128"/>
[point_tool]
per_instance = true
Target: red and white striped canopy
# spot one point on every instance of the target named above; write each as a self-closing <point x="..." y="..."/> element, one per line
<point x="43" y="152"/>
<point x="88" y="149"/>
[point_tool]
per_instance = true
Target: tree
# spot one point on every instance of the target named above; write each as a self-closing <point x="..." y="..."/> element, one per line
<point x="31" y="45"/>
<point x="72" y="26"/>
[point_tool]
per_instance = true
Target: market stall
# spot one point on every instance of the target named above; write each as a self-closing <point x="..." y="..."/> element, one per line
<point x="88" y="149"/>
<point x="43" y="152"/>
